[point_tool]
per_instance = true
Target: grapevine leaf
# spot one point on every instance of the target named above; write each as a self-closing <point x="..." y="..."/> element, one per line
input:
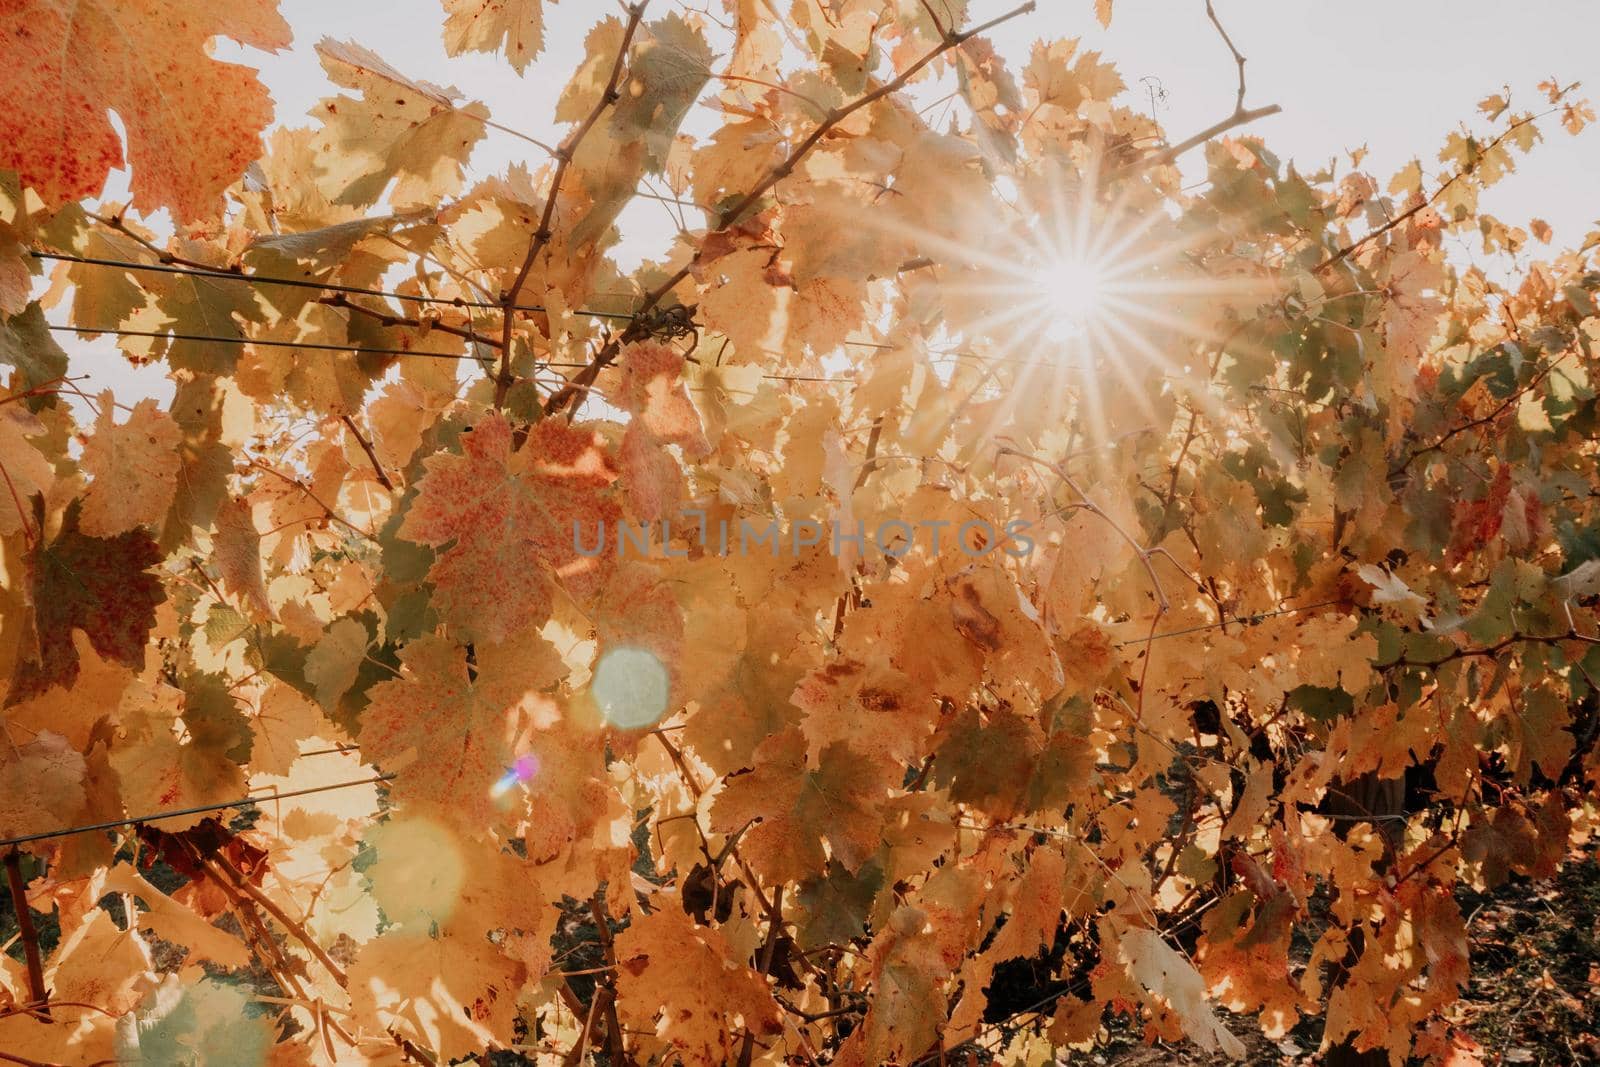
<point x="509" y="517"/>
<point x="413" y="133"/>
<point x="482" y="26"/>
<point x="101" y="586"/>
<point x="63" y="66"/>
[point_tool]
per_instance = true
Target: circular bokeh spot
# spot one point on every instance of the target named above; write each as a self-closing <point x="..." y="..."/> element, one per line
<point x="630" y="687"/>
<point x="416" y="871"/>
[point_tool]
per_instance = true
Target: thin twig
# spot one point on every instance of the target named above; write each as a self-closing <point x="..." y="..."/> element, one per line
<point x="1167" y="155"/>
<point x="767" y="952"/>
<point x="384" y="318"/>
<point x="299" y="931"/>
<point x="366" y="446"/>
<point x="606" y="985"/>
<point x="312" y="496"/>
<point x="1240" y="116"/>
<point x="1211" y="13"/>
<point x="1483" y="420"/>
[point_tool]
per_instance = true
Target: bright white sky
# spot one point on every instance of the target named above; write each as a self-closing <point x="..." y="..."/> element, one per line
<point x="1393" y="76"/>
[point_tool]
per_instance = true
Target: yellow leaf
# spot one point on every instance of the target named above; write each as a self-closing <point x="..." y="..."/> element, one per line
<point x="414" y="133"/>
<point x="481" y="26"/>
<point x="1163" y="971"/>
<point x="689" y="975"/>
<point x="134" y="466"/>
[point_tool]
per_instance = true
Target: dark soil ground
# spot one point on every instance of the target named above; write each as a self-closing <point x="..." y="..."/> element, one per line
<point x="1534" y="996"/>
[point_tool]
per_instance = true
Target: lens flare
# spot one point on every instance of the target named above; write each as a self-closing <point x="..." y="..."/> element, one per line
<point x="416" y="871"/>
<point x="631" y="687"/>
<point x="521" y="771"/>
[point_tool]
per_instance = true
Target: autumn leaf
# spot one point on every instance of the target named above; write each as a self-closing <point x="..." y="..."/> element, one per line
<point x="653" y="390"/>
<point x="666" y="70"/>
<point x="176" y="923"/>
<point x="134" y="466"/>
<point x="190" y="306"/>
<point x="101" y="586"/>
<point x="236" y="551"/>
<point x="689" y="975"/>
<point x="451" y="735"/>
<point x="63" y="66"/>
<point x="482" y="26"/>
<point x="42" y="786"/>
<point x="412" y="133"/>
<point x="457" y="995"/>
<point x="181" y="748"/>
<point x="669" y="62"/>
<point x="1167" y="975"/>
<point x="1389" y="590"/>
<point x="793" y="813"/>
<point x="1413" y="308"/>
<point x="506" y="519"/>
<point x="27" y="473"/>
<point x="26" y="344"/>
<point x="97" y="963"/>
<point x="872" y="708"/>
<point x="281" y="720"/>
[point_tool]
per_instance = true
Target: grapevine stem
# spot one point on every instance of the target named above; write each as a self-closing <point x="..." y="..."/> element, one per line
<point x="30" y="937"/>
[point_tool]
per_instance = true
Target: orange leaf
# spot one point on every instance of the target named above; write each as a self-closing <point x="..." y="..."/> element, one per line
<point x="193" y="123"/>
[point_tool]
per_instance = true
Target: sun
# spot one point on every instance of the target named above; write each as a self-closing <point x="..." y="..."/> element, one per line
<point x="1071" y="293"/>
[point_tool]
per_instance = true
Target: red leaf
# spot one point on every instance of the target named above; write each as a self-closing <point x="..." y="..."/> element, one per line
<point x="99" y="585"/>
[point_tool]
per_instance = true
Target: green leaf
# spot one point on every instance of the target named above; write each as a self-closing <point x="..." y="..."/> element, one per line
<point x="27" y="345"/>
<point x="837" y="905"/>
<point x="668" y="66"/>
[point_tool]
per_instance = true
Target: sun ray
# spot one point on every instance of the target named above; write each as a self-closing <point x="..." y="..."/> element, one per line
<point x="1086" y="307"/>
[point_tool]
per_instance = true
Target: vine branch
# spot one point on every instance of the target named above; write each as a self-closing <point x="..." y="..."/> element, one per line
<point x="30" y="937"/>
<point x="541" y="237"/>
<point x="1415" y="209"/>
<point x="1238" y="58"/>
<point x="366" y="446"/>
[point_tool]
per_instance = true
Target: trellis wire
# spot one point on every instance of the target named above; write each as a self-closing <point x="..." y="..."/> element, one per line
<point x="198" y="809"/>
<point x="1243" y="620"/>
<point x="271" y="343"/>
<point x="305" y="283"/>
<point x="361" y="349"/>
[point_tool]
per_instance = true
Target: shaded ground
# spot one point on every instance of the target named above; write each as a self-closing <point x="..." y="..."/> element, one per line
<point x="1534" y="996"/>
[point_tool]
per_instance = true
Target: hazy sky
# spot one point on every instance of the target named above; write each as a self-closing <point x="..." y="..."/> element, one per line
<point x="1395" y="75"/>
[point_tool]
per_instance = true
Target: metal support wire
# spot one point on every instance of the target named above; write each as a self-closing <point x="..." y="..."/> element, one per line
<point x="305" y="283"/>
<point x="362" y="350"/>
<point x="198" y="809"/>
